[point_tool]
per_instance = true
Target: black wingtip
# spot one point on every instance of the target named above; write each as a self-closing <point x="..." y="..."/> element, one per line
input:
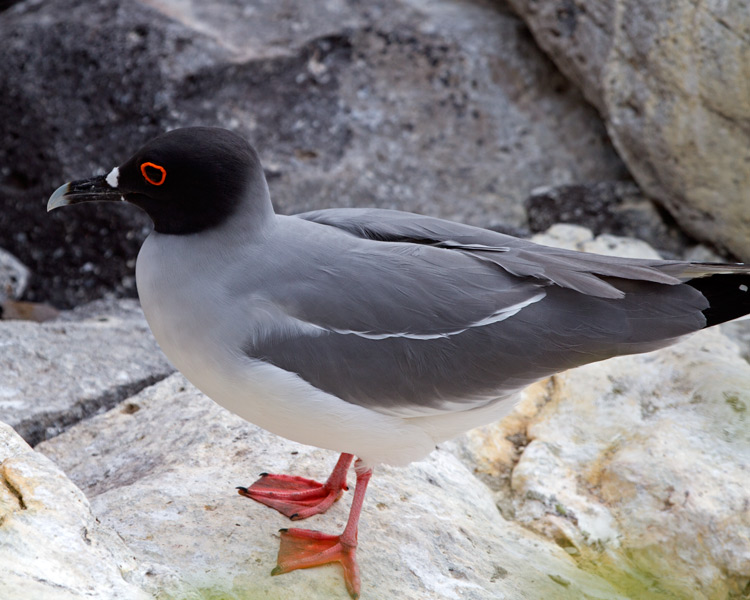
<point x="728" y="296"/>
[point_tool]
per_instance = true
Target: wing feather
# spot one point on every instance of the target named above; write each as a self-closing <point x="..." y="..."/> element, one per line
<point x="583" y="272"/>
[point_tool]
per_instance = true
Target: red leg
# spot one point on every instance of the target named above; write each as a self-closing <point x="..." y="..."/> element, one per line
<point x="303" y="548"/>
<point x="297" y="497"/>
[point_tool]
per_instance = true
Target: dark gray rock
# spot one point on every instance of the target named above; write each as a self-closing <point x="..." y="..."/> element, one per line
<point x="81" y="86"/>
<point x="446" y="108"/>
<point x="60" y="372"/>
<point x="615" y="207"/>
<point x="6" y="4"/>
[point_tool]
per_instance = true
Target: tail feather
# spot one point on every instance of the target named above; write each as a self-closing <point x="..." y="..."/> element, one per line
<point x="728" y="295"/>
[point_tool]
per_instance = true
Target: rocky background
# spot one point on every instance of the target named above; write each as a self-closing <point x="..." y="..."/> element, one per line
<point x="629" y="479"/>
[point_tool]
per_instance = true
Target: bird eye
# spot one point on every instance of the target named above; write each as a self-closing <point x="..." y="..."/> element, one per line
<point x="154" y="174"/>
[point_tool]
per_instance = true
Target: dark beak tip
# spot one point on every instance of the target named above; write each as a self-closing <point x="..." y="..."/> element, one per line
<point x="87" y="190"/>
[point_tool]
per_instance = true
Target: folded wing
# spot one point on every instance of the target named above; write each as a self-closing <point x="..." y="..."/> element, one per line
<point x="414" y="316"/>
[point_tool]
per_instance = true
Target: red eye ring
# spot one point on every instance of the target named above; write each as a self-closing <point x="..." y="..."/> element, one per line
<point x="159" y="168"/>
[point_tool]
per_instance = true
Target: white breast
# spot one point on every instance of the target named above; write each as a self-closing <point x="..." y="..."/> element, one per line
<point x="185" y="303"/>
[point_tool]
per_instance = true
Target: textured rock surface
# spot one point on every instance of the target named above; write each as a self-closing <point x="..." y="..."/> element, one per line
<point x="582" y="239"/>
<point x="639" y="466"/>
<point x="14" y="276"/>
<point x="672" y="80"/>
<point x="56" y="373"/>
<point x="161" y="468"/>
<point x="445" y="107"/>
<point x="613" y="207"/>
<point x="51" y="546"/>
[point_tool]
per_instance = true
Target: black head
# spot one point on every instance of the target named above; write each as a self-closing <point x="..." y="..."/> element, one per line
<point x="187" y="180"/>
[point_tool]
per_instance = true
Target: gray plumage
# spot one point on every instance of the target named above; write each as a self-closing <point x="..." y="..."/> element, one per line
<point x="404" y="313"/>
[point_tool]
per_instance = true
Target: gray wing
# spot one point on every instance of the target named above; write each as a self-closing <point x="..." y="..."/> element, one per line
<point x="412" y="315"/>
<point x="581" y="271"/>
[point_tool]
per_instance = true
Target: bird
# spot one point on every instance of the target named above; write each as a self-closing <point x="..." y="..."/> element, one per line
<point x="375" y="333"/>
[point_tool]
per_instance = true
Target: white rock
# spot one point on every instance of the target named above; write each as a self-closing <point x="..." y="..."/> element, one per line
<point x="639" y="465"/>
<point x="51" y="546"/>
<point x="14" y="277"/>
<point x="161" y="468"/>
<point x="575" y="237"/>
<point x="58" y="372"/>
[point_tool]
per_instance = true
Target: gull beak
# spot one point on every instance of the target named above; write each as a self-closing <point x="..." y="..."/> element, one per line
<point x="95" y="189"/>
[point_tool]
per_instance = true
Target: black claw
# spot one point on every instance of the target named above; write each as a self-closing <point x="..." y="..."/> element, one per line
<point x="264" y="474"/>
<point x="294" y="516"/>
<point x="283" y="530"/>
<point x="241" y="489"/>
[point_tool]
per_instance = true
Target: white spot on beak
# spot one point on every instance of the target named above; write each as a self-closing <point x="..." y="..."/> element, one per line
<point x="113" y="177"/>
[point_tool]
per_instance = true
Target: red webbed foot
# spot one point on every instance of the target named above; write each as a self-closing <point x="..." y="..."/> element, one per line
<point x="303" y="548"/>
<point x="298" y="497"/>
